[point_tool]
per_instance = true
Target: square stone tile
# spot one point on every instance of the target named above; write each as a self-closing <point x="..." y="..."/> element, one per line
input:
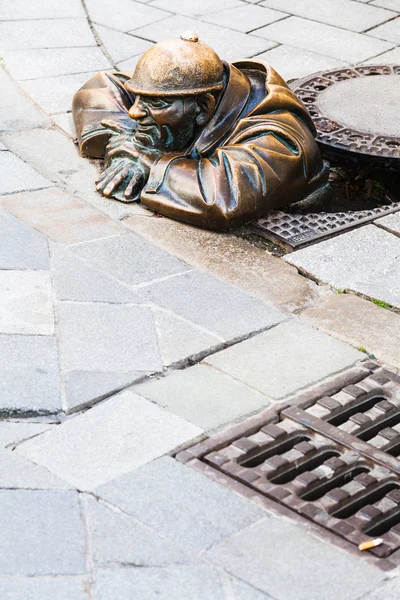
<point x="390" y="4"/>
<point x="389" y="590"/>
<point x="195" y="9"/>
<point x="17" y="112"/>
<point x="339" y="13"/>
<point x="18" y="176"/>
<point x="391" y="222"/>
<point x="213" y="304"/>
<point x="13" y="433"/>
<point x="185" y="506"/>
<point x="388" y="31"/>
<point x="129" y="258"/>
<point x="391" y="57"/>
<point x="42" y="533"/>
<point x="285" y="359"/>
<point x="123" y="15"/>
<point x="346" y="262"/>
<point x="109" y="440"/>
<point x="283" y="560"/>
<point x="244" y="18"/>
<point x="31" y="588"/>
<point x="121" y="46"/>
<point x="200" y="582"/>
<point x="61" y="216"/>
<point x="65" y="122"/>
<point x="203" y="396"/>
<point x="26" y="303"/>
<point x="3" y="147"/>
<point x="29" y="371"/>
<point x="22" y="247"/>
<point x="33" y="64"/>
<point x="129" y="65"/>
<point x="45" y="33"/>
<point x="229" y="45"/>
<point x="293" y="63"/>
<point x="324" y="39"/>
<point x="17" y="472"/>
<point x="117" y="538"/>
<point x="107" y="337"/>
<point x="40" y="9"/>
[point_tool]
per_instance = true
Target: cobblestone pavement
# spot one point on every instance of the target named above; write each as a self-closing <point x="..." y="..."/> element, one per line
<point x="126" y="337"/>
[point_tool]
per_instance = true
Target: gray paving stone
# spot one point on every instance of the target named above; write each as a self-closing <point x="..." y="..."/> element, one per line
<point x="108" y="441"/>
<point x="230" y="45"/>
<point x="26" y="304"/>
<point x="262" y="362"/>
<point x="283" y="560"/>
<point x="347" y="262"/>
<point x="17" y="472"/>
<point x="129" y="259"/>
<point x="242" y="591"/>
<point x="13" y="433"/>
<point x="16" y="110"/>
<point x="29" y="374"/>
<point x="123" y="15"/>
<point x="391" y="57"/>
<point x="203" y="396"/>
<point x="74" y="279"/>
<point x="390" y="4"/>
<point x="44" y="533"/>
<point x="2" y="147"/>
<point x="60" y="216"/>
<point x="129" y="65"/>
<point x="324" y="39"/>
<point x="293" y="63"/>
<point x="244" y="18"/>
<point x="33" y="64"/>
<point x="213" y="304"/>
<point x="65" y="122"/>
<point x="389" y="590"/>
<point x="185" y="506"/>
<point x="21" y="246"/>
<point x="198" y="582"/>
<point x="54" y="94"/>
<point x="392" y="222"/>
<point x="46" y="33"/>
<point x="388" y="31"/>
<point x="31" y="588"/>
<point x="195" y="9"/>
<point x="120" y="45"/>
<point x="179" y="339"/>
<point x="118" y="538"/>
<point x="339" y="13"/>
<point x="107" y="337"/>
<point x="40" y="9"/>
<point x="18" y="176"/>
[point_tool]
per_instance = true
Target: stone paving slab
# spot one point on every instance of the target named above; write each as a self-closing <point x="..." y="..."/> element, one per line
<point x="108" y="441"/>
<point x="40" y="9"/>
<point x="65" y="122"/>
<point x="17" y="112"/>
<point x="30" y="374"/>
<point x="120" y="45"/>
<point x="46" y="33"/>
<point x="309" y="356"/>
<point x="13" y="433"/>
<point x="389" y="590"/>
<point x="123" y="15"/>
<point x="340" y="13"/>
<point x="390" y="4"/>
<point x="366" y="260"/>
<point x="267" y="555"/>
<point x="213" y="304"/>
<point x="17" y="472"/>
<point x="324" y="39"/>
<point x="360" y="323"/>
<point x="203" y="396"/>
<point x="60" y="216"/>
<point x="185" y="506"/>
<point x="3" y="147"/>
<point x="230" y="45"/>
<point x="36" y="588"/>
<point x="244" y="18"/>
<point x="196" y="9"/>
<point x="391" y="57"/>
<point x="18" y="175"/>
<point x="43" y="533"/>
<point x="21" y="246"/>
<point x="388" y="31"/>
<point x="392" y="222"/>
<point x="129" y="65"/>
<point x="26" y="303"/>
<point x="117" y="538"/>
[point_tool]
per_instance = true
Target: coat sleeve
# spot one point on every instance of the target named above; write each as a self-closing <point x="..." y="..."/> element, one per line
<point x="267" y="162"/>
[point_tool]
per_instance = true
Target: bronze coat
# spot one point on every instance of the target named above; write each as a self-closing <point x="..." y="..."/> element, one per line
<point x="258" y="152"/>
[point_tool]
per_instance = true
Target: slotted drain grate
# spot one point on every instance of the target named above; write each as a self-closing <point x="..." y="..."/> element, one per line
<point x="334" y="459"/>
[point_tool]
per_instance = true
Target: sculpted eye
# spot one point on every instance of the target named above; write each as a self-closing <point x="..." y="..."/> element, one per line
<point x="158" y="103"/>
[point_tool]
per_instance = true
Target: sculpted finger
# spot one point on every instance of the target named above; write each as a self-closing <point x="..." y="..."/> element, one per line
<point x="113" y="125"/>
<point x="128" y="150"/>
<point x="134" y="186"/>
<point x="103" y="182"/>
<point x="116" y="180"/>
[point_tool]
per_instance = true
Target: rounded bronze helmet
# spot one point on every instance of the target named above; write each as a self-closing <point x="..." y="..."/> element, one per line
<point x="180" y="67"/>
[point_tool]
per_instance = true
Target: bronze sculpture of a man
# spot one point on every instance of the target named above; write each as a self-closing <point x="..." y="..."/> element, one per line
<point x="200" y="140"/>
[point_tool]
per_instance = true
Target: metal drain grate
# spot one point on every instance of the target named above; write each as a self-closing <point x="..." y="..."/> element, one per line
<point x="293" y="231"/>
<point x="332" y="459"/>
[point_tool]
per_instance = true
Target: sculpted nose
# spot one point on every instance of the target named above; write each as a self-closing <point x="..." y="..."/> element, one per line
<point x="136" y="111"/>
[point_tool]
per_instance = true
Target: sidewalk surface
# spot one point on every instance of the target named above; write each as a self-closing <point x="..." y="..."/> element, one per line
<point x="125" y="337"/>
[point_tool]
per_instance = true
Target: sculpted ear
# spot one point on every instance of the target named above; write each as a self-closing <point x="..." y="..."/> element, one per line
<point x="206" y="106"/>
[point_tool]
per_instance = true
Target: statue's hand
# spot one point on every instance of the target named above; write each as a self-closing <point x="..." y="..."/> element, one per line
<point x="119" y="172"/>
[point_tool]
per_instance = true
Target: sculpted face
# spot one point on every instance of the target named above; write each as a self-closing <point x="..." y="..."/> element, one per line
<point x="169" y="123"/>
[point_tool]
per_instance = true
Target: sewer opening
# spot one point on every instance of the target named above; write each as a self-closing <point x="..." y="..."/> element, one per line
<point x="358" y="406"/>
<point x="321" y="488"/>
<point x="288" y="473"/>
<point x="250" y="461"/>
<point x="384" y="523"/>
<point x="370" y="430"/>
<point x="350" y="506"/>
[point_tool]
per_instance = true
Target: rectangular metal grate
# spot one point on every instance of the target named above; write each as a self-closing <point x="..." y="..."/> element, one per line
<point x="333" y="459"/>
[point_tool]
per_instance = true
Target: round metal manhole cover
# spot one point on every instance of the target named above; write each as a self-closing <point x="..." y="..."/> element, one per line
<point x="356" y="112"/>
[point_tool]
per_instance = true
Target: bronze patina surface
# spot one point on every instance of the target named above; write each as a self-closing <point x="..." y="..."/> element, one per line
<point x="200" y="140"/>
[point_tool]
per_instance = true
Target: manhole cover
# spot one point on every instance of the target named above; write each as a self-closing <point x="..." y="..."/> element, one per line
<point x="355" y="111"/>
<point x="334" y="459"/>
